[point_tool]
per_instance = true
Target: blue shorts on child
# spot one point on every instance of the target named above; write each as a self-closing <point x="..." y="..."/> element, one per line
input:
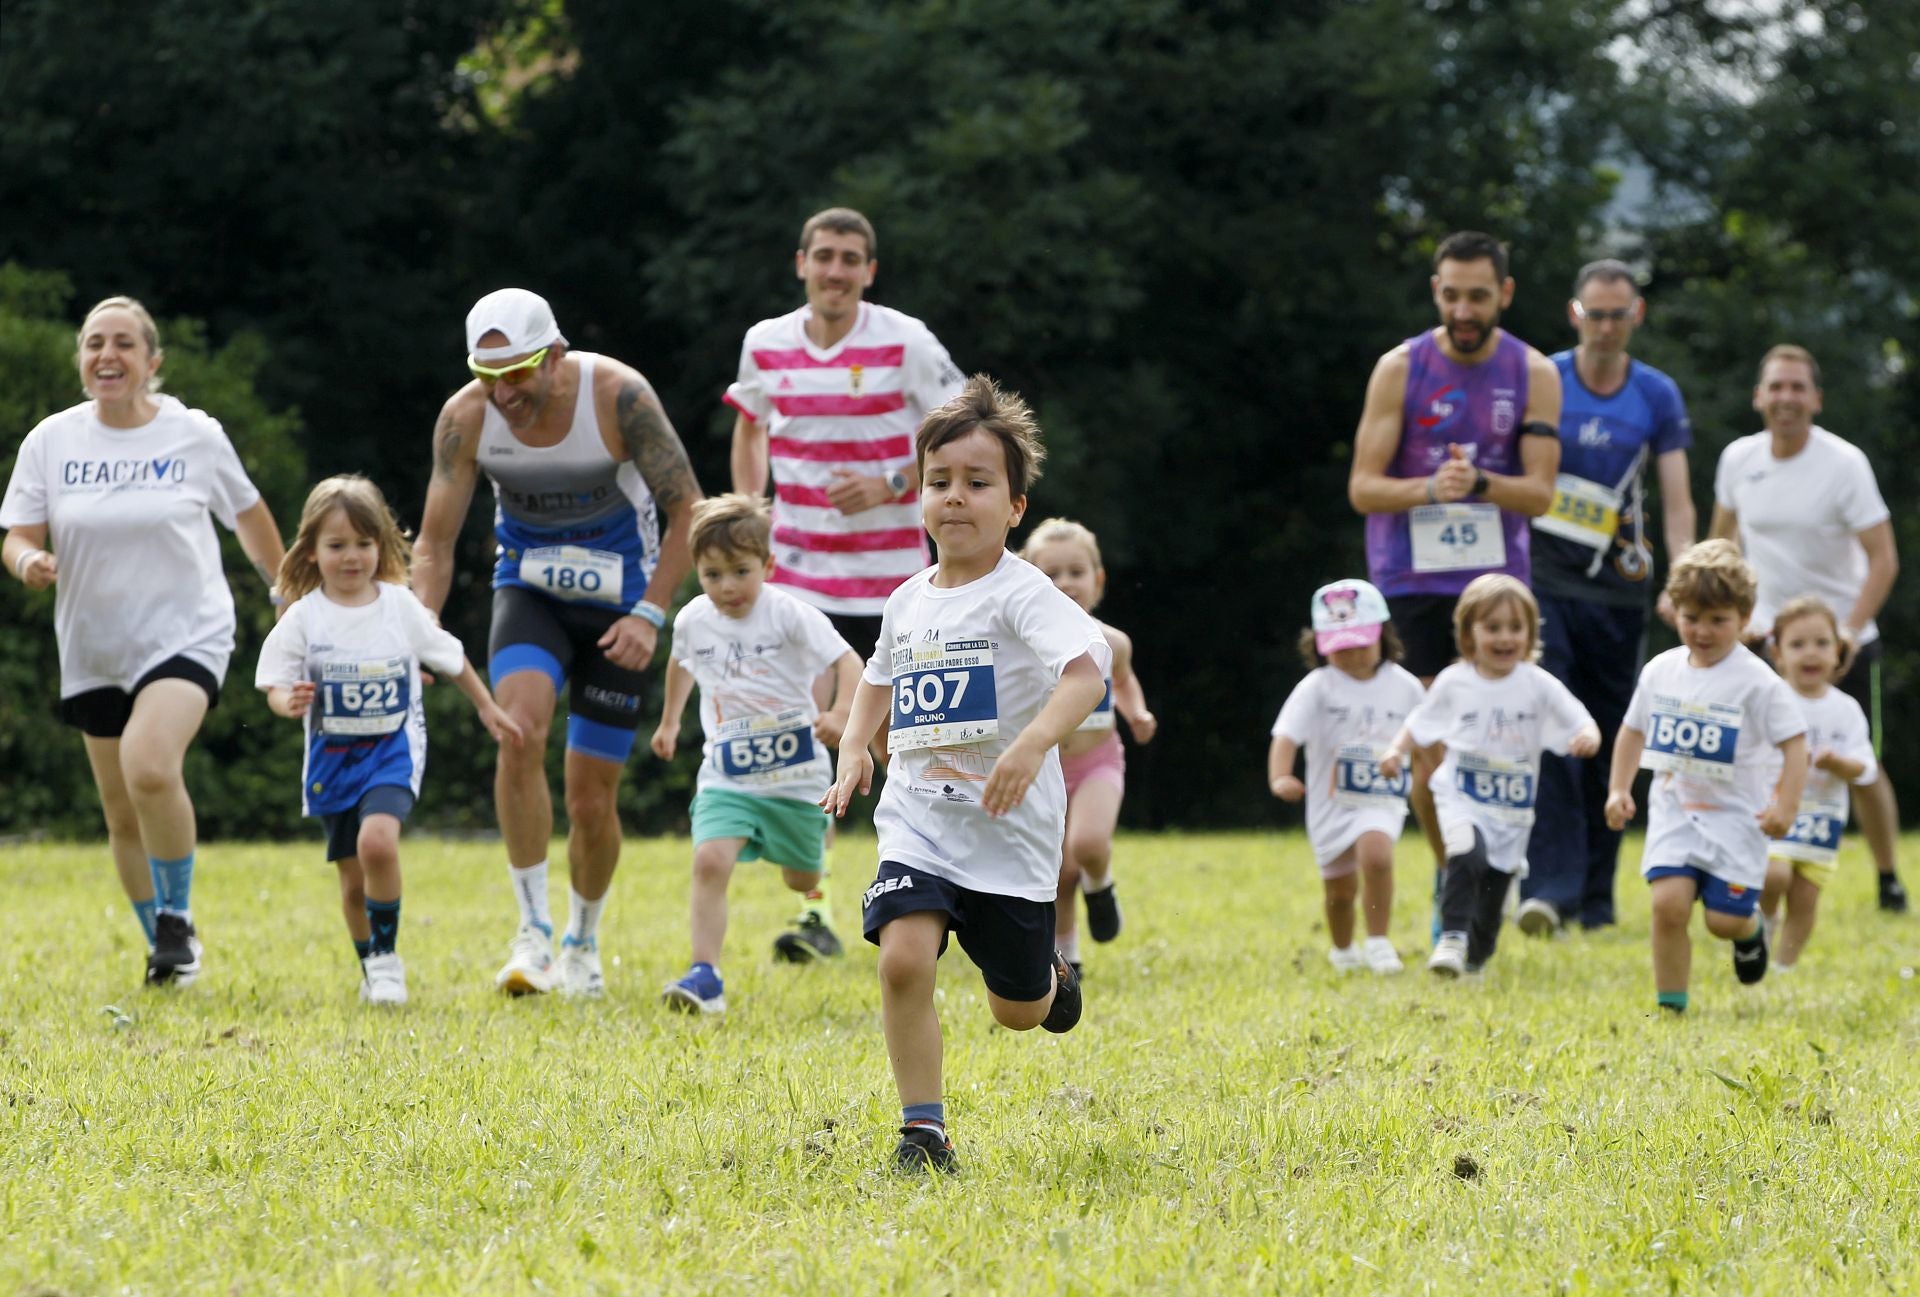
<point x="1009" y="938"/>
<point x="1715" y="893"/>
<point x="343" y="827"/>
<point x="780" y="830"/>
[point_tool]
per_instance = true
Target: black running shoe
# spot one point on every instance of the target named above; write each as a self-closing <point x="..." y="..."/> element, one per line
<point x="1750" y="957"/>
<point x="924" y="1146"/>
<point x="811" y="939"/>
<point x="1893" y="897"/>
<point x="1065" y="1012"/>
<point x="175" y="957"/>
<point x="1103" y="913"/>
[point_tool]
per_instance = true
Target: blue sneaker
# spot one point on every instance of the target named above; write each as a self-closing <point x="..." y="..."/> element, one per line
<point x="700" y="991"/>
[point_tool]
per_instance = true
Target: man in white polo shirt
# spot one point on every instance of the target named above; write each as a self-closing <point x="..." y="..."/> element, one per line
<point x="1805" y="509"/>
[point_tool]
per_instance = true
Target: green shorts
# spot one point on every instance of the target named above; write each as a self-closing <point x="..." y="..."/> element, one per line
<point x="780" y="830"/>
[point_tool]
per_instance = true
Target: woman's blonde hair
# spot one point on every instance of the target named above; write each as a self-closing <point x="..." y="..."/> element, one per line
<point x="1809" y="606"/>
<point x="367" y="513"/>
<point x="149" y="331"/>
<point x="1485" y="594"/>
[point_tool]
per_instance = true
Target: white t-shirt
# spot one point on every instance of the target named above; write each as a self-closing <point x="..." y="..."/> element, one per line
<point x="367" y="726"/>
<point x="1494" y="730"/>
<point x="1800" y="520"/>
<point x="976" y="664"/>
<point x="1713" y="736"/>
<point x="1344" y="725"/>
<point x="855" y="406"/>
<point x="1834" y="723"/>
<point x="127" y="512"/>
<point x="756" y="677"/>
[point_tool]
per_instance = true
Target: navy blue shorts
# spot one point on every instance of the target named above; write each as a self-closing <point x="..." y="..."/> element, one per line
<point x="1008" y="937"/>
<point x="343" y="828"/>
<point x="1716" y="894"/>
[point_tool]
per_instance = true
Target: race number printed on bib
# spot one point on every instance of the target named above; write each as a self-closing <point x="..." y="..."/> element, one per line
<point x="1501" y="789"/>
<point x="1101" y="717"/>
<point x="364" y="698"/>
<point x="767" y="749"/>
<point x="574" y="573"/>
<point x="1582" y="511"/>
<point x="1456" y="537"/>
<point x="943" y="694"/>
<point x="1357" y="780"/>
<point x="1815" y="835"/>
<point x="1697" y="739"/>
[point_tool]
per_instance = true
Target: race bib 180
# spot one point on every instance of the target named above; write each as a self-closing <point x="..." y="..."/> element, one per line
<point x="1357" y="780"/>
<point x="1456" y="537"/>
<point x="1687" y="738"/>
<point x="1501" y="789"/>
<point x="364" y="698"/>
<point x="765" y="749"/>
<point x="574" y="573"/>
<point x="943" y="694"/>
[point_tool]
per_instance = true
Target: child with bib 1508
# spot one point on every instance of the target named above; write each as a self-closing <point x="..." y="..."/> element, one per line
<point x="1811" y="654"/>
<point x="986" y="668"/>
<point x="1714" y="724"/>
<point x="1091" y="760"/>
<point x="1486" y="720"/>
<point x="346" y="658"/>
<point x="755" y="651"/>
<point x="1354" y="699"/>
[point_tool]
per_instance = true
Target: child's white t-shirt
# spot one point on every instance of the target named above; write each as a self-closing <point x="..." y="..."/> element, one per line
<point x="1712" y="738"/>
<point x="128" y="511"/>
<point x="367" y="726"/>
<point x="1344" y="724"/>
<point x="1834" y="723"/>
<point x="1494" y="730"/>
<point x="756" y="677"/>
<point x="974" y="665"/>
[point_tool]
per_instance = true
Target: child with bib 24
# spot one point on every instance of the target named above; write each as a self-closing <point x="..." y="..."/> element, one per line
<point x="986" y="668"/>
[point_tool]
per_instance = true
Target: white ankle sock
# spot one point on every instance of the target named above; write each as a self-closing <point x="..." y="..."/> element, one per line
<point x="530" y="889"/>
<point x="583" y="918"/>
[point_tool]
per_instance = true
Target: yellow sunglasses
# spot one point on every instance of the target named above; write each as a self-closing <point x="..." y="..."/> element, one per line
<point x="511" y="375"/>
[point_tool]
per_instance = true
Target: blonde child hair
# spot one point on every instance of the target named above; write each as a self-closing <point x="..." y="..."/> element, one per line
<point x="1478" y="601"/>
<point x="1066" y="531"/>
<point x="1712" y="574"/>
<point x="1810" y="606"/>
<point x="731" y="524"/>
<point x="367" y="513"/>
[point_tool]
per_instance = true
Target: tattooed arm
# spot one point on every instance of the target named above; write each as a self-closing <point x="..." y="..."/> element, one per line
<point x="649" y="443"/>
<point x="456" y="438"/>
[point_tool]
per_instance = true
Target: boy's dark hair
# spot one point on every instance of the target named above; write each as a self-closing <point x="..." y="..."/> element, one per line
<point x="1002" y="415"/>
<point x="1391" y="649"/>
<point x="1472" y="245"/>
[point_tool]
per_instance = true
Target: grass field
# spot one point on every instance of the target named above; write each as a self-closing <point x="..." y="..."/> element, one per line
<point x="1231" y="1116"/>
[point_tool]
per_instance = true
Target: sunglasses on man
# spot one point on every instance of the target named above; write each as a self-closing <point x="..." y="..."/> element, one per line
<point x="512" y="375"/>
<point x="1618" y="315"/>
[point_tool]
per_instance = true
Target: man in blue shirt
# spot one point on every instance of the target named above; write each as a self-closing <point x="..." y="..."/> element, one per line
<point x="1592" y="573"/>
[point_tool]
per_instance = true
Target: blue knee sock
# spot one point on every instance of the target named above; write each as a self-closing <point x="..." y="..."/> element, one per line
<point x="933" y="1112"/>
<point x="173" y="883"/>
<point x="362" y="949"/>
<point x="384" y="918"/>
<point x="144" y="911"/>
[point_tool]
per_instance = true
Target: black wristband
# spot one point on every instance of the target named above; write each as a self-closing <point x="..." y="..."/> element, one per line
<point x="1479" y="481"/>
<point x="1538" y="429"/>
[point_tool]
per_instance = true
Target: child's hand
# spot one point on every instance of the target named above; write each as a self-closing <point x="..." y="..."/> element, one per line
<point x="830" y="726"/>
<point x="1011" y="776"/>
<point x="1826" y="759"/>
<point x="1619" y="810"/>
<point x="1288" y="788"/>
<point x="300" y="698"/>
<point x="1390" y="763"/>
<point x="503" y="727"/>
<point x="1777" y="820"/>
<point x="1143" y="726"/>
<point x="664" y="741"/>
<point x="1585" y="743"/>
<point x="855" y="770"/>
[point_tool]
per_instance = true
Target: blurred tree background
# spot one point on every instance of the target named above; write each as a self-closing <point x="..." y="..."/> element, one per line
<point x="1183" y="230"/>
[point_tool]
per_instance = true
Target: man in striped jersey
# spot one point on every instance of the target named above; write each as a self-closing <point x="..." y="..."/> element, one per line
<point x="827" y="401"/>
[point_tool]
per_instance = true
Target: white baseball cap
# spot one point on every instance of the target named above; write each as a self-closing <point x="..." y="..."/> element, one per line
<point x="1348" y="614"/>
<point x="524" y="317"/>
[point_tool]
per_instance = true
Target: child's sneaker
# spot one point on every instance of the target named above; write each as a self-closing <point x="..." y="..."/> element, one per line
<point x="1537" y="918"/>
<point x="1750" y="957"/>
<point x="1103" y="913"/>
<point x="810" y="940"/>
<point x="386" y="980"/>
<point x="1449" y="957"/>
<point x="577" y="972"/>
<point x="1065" y="1012"/>
<point x="1346" y="959"/>
<point x="924" y="1146"/>
<point x="1381" y="957"/>
<point x="700" y="991"/>
<point x="1893" y="897"/>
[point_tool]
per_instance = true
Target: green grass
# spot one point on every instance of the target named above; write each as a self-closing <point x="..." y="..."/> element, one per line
<point x="1230" y="1116"/>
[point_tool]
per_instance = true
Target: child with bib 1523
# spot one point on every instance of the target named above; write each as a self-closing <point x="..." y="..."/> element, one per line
<point x="986" y="668"/>
<point x="1485" y="722"/>
<point x="755" y="651"/>
<point x="1714" y="724"/>
<point x="1811" y="654"/>
<point x="1353" y="700"/>
<point x="346" y="659"/>
<point x="1091" y="760"/>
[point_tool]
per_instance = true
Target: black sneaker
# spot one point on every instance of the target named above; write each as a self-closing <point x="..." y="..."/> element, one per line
<point x="1893" y="897"/>
<point x="175" y="957"/>
<point x="1103" y="913"/>
<point x="924" y="1146"/>
<point x="810" y="939"/>
<point x="1065" y="1012"/>
<point x="1750" y="957"/>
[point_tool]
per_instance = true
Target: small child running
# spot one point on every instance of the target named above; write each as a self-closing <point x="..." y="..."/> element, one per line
<point x="755" y="651"/>
<point x="1092" y="760"/>
<point x="1811" y="654"/>
<point x="346" y="658"/>
<point x="1351" y="704"/>
<point x="1490" y="714"/>
<point x="986" y="668"/>
<point x="1707" y="718"/>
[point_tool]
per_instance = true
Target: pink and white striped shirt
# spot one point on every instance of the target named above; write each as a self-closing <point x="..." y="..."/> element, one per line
<point x="854" y="406"/>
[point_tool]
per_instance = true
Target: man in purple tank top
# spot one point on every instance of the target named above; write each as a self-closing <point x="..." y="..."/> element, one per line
<point x="1457" y="448"/>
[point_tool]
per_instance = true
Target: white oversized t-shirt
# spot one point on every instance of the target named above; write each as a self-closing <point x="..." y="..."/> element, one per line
<point x="973" y="666"/>
<point x="1713" y="737"/>
<point x="756" y="677"/>
<point x="1494" y="730"/>
<point x="1835" y="723"/>
<point x="1800" y="520"/>
<point x="1344" y="724"/>
<point x="129" y="513"/>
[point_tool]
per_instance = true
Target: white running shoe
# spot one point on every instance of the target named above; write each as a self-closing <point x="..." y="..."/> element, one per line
<point x="1381" y="957"/>
<point x="386" y="980"/>
<point x="1537" y="918"/>
<point x="529" y="969"/>
<point x="1346" y="958"/>
<point x="577" y="974"/>
<point x="1449" y="957"/>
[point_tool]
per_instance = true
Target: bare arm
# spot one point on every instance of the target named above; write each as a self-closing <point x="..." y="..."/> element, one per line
<point x="1281" y="780"/>
<point x="291" y="701"/>
<point x="649" y="443"/>
<point x="750" y="462"/>
<point x="1081" y="687"/>
<point x="830" y="724"/>
<point x="501" y="726"/>
<point x="1835" y="764"/>
<point x="1777" y="819"/>
<point x="1129" y="699"/>
<point x="666" y="735"/>
<point x="1725" y="525"/>
<point x="456" y="439"/>
<point x="854" y="769"/>
<point x="1530" y="492"/>
<point x="1883" y="564"/>
<point x="1370" y="488"/>
<point x="29" y="541"/>
<point x="260" y="539"/>
<point x="1677" y="515"/>
<point x="1628" y="744"/>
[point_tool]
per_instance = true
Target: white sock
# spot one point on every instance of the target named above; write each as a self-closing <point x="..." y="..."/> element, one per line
<point x="530" y="889"/>
<point x="583" y="918"/>
<point x="1069" y="947"/>
<point x="1088" y="885"/>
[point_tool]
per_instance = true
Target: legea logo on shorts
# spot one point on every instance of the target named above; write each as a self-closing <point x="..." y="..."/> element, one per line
<point x="904" y="883"/>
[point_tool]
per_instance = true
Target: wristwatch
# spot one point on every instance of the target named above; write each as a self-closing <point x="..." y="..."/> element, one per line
<point x="897" y="482"/>
<point x="1480" y="481"/>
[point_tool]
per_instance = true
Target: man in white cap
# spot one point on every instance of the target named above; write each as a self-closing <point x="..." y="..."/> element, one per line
<point x="580" y="453"/>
